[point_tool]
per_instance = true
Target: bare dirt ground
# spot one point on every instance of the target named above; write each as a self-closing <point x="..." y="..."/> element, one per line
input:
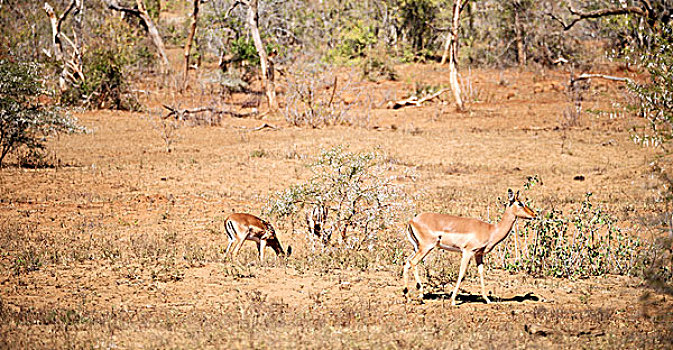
<point x="120" y="245"/>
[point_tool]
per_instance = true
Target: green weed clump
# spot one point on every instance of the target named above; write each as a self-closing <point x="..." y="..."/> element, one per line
<point x="584" y="242"/>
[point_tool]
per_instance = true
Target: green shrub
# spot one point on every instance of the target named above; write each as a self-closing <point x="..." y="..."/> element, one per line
<point x="654" y="102"/>
<point x="354" y="39"/>
<point x="25" y="122"/>
<point x="243" y="49"/>
<point x="654" y="99"/>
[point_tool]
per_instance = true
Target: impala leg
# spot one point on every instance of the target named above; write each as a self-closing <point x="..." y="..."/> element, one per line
<point x="413" y="263"/>
<point x="261" y="245"/>
<point x="479" y="258"/>
<point x="226" y="251"/>
<point x="237" y="247"/>
<point x="467" y="255"/>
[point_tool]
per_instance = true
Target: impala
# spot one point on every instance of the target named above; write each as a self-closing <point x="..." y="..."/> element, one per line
<point x="241" y="227"/>
<point x="316" y="219"/>
<point x="471" y="237"/>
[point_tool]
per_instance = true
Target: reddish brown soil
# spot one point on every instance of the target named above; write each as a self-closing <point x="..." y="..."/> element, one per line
<point x="129" y="236"/>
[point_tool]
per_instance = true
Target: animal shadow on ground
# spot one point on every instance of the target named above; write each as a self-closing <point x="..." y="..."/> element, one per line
<point x="474" y="298"/>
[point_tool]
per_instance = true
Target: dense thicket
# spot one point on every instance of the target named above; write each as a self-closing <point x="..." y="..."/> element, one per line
<point x="497" y="33"/>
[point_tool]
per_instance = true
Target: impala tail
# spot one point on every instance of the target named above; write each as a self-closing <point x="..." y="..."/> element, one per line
<point x="229" y="228"/>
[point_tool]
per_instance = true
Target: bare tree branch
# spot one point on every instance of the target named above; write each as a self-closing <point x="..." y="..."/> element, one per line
<point x="265" y="63"/>
<point x="74" y="63"/>
<point x="64" y="15"/>
<point x="113" y="5"/>
<point x="233" y="6"/>
<point x="582" y="15"/>
<point x="414" y="100"/>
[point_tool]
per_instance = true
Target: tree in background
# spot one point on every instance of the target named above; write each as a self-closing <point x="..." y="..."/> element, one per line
<point x="140" y="12"/>
<point x="188" y="46"/>
<point x="416" y="17"/>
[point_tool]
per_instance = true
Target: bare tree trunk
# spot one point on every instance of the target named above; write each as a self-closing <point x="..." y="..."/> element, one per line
<point x="447" y="46"/>
<point x="267" y="78"/>
<point x="152" y="31"/>
<point x="190" y="39"/>
<point x="518" y="32"/>
<point x="55" y="40"/>
<point x="453" y="54"/>
<point x="71" y="69"/>
<point x="77" y="33"/>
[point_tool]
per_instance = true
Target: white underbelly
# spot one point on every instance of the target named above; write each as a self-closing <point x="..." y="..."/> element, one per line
<point x="453" y="241"/>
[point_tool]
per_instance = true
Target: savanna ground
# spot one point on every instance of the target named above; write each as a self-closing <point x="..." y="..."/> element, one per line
<point x="120" y="244"/>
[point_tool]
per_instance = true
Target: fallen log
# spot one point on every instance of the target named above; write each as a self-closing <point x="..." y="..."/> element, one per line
<point x="415" y="101"/>
<point x="215" y="114"/>
<point x="587" y="76"/>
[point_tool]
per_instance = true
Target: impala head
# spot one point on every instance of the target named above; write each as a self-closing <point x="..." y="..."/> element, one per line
<point x="521" y="210"/>
<point x="273" y="242"/>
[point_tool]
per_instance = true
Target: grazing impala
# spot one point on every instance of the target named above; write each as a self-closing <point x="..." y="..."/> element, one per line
<point x="472" y="237"/>
<point x="241" y="227"/>
<point x="316" y="219"/>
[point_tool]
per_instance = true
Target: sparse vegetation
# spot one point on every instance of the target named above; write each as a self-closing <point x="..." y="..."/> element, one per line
<point x="314" y="98"/>
<point x="109" y="65"/>
<point x="114" y="239"/>
<point x="360" y="197"/>
<point x="25" y="121"/>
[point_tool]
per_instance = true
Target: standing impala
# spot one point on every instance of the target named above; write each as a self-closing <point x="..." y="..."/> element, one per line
<point x="472" y="237"/>
<point x="241" y="227"/>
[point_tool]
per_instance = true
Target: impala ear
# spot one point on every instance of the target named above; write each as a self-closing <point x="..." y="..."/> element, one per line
<point x="510" y="196"/>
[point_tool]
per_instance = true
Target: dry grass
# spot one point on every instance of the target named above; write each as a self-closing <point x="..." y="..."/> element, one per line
<point x="121" y="245"/>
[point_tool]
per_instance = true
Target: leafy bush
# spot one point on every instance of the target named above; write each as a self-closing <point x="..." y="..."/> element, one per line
<point x="360" y="198"/>
<point x="416" y="15"/>
<point x="243" y="49"/>
<point x="654" y="102"/>
<point x="25" y="122"/>
<point x="354" y="38"/>
<point x="654" y="99"/>
<point x="585" y="242"/>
